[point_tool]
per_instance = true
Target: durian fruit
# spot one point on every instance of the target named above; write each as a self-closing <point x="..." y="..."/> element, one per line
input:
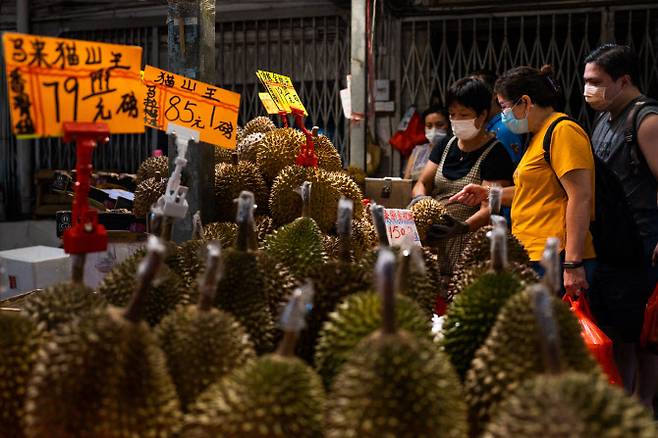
<point x="248" y="147"/>
<point x="279" y="282"/>
<point x="473" y="312"/>
<point x="239" y="134"/>
<point x="358" y="175"/>
<point x="274" y="395"/>
<point x="223" y="155"/>
<point x="103" y="375"/>
<point x="224" y="232"/>
<point x="298" y="245"/>
<point x="394" y="383"/>
<point x="202" y="344"/>
<point x="168" y="289"/>
<point x="230" y="180"/>
<point x="512" y="352"/>
<point x="261" y="124"/>
<point x="264" y="227"/>
<point x="19" y="344"/>
<point x="147" y="193"/>
<point x="151" y="167"/>
<point x="570" y="405"/>
<point x="280" y="147"/>
<point x="364" y="236"/>
<point x="242" y="289"/>
<point x="328" y="187"/>
<point x="331" y="246"/>
<point x="426" y="212"/>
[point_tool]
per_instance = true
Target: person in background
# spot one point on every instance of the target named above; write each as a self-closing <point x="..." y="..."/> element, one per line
<point x="548" y="199"/>
<point x="622" y="287"/>
<point x="472" y="155"/>
<point x="514" y="143"/>
<point x="437" y="127"/>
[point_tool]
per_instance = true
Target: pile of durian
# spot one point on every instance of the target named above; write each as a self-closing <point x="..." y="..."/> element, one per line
<point x="292" y="317"/>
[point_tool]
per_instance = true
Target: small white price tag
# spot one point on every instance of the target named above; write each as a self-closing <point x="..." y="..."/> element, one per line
<point x="400" y="227"/>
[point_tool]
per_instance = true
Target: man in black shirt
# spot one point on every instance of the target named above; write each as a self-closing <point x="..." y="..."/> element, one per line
<point x="621" y="288"/>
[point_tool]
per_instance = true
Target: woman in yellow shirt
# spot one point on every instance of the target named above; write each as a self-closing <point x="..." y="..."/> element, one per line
<point x="548" y="199"/>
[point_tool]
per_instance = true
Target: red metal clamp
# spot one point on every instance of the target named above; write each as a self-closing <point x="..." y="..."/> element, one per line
<point x="307" y="156"/>
<point x="86" y="234"/>
<point x="284" y="118"/>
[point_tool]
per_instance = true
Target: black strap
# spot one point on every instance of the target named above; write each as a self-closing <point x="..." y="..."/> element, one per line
<point x="548" y="138"/>
<point x="630" y="132"/>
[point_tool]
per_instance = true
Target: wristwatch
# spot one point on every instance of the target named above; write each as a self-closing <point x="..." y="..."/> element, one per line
<point x="572" y="265"/>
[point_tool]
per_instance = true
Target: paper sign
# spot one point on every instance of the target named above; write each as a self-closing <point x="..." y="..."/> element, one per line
<point x="400" y="227"/>
<point x="268" y="103"/>
<point x="57" y="80"/>
<point x="210" y="110"/>
<point x="282" y="90"/>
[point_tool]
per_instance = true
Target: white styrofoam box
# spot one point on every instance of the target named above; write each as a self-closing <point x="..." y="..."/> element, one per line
<point x="98" y="264"/>
<point x="32" y="268"/>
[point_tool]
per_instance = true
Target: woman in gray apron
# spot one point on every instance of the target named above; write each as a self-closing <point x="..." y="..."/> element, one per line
<point x="472" y="156"/>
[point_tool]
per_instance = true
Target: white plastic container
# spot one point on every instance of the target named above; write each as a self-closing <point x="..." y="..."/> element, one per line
<point x="31" y="268"/>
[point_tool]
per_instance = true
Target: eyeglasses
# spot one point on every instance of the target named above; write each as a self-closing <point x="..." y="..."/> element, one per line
<point x="505" y="106"/>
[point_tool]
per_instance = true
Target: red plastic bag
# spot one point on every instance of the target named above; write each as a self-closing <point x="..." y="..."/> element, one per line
<point x="649" y="335"/>
<point x="414" y="134"/>
<point x="597" y="342"/>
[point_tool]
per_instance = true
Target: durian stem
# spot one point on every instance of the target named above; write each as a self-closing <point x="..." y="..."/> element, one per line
<point x="287" y="345"/>
<point x="246" y="239"/>
<point x="402" y="274"/>
<point x="197" y="226"/>
<point x="78" y="268"/>
<point x="210" y="278"/>
<point x="146" y="271"/>
<point x="167" y="227"/>
<point x="549" y="332"/>
<point x="380" y="225"/>
<point x="345" y="250"/>
<point x="235" y="159"/>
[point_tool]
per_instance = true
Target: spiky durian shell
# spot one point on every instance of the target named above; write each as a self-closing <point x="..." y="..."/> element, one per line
<point x="230" y="180"/>
<point x="242" y="292"/>
<point x="399" y="386"/>
<point x="223" y="155"/>
<point x="247" y="148"/>
<point x="201" y="347"/>
<point x="61" y="303"/>
<point x="273" y="396"/>
<point x="327" y="188"/>
<point x="570" y="405"/>
<point x="364" y="236"/>
<point x="297" y="245"/>
<point x="426" y="212"/>
<point x="167" y="292"/>
<point x="264" y="227"/>
<point x="239" y="134"/>
<point x="189" y="261"/>
<point x="147" y="193"/>
<point x="478" y="249"/>
<point x="224" y="232"/>
<point x="260" y="124"/>
<point x="469" y="274"/>
<point x="354" y="319"/>
<point x="279" y="283"/>
<point x="150" y="167"/>
<point x="511" y="354"/>
<point x="328" y="156"/>
<point x="472" y="314"/>
<point x="19" y="344"/>
<point x="101" y="376"/>
<point x="358" y="175"/>
<point x="331" y="245"/>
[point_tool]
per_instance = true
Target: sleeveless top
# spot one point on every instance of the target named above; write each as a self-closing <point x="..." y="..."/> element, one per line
<point x="444" y="188"/>
<point x="630" y="166"/>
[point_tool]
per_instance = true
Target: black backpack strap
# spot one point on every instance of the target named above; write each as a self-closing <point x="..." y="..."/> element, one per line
<point x="630" y="132"/>
<point x="548" y="138"/>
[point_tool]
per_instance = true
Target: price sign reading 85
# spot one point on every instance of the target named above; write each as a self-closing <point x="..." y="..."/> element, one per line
<point x="205" y="108"/>
<point x="400" y="227"/>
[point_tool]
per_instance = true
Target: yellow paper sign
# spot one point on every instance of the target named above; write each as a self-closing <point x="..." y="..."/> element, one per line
<point x="208" y="109"/>
<point x="269" y="104"/>
<point x="56" y="80"/>
<point x="282" y="90"/>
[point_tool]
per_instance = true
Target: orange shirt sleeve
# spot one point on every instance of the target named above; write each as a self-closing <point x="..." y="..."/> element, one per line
<point x="570" y="149"/>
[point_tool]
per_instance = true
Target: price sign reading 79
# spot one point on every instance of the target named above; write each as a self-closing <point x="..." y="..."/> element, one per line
<point x="205" y="108"/>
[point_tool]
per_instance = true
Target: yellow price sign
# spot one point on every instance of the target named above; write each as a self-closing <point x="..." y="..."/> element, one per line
<point x="270" y="106"/>
<point x="210" y="110"/>
<point x="56" y="80"/>
<point x="282" y="90"/>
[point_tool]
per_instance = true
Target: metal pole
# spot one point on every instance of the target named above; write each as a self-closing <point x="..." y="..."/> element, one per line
<point x="24" y="148"/>
<point x="359" y="86"/>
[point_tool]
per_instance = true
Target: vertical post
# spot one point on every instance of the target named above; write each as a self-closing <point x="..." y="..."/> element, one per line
<point x="607" y="26"/>
<point x="24" y="148"/>
<point x="359" y="85"/>
<point x="191" y="53"/>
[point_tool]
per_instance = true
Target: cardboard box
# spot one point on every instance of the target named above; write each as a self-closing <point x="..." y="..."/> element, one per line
<point x="389" y="192"/>
<point x="33" y="267"/>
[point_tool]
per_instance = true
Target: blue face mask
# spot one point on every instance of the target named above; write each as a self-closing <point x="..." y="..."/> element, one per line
<point x="517" y="126"/>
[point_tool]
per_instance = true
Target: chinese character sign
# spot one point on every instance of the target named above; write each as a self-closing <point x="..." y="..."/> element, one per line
<point x="56" y="80"/>
<point x="282" y="90"/>
<point x="208" y="109"/>
<point x="400" y="227"/>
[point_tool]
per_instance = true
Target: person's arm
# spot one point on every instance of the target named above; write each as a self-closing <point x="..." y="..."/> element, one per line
<point x="474" y="194"/>
<point x="482" y="216"/>
<point x="425" y="183"/>
<point x="578" y="185"/>
<point x="647" y="139"/>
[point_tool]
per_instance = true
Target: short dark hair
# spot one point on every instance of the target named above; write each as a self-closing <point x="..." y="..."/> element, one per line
<point x="471" y="93"/>
<point x="489" y="77"/>
<point x="540" y="85"/>
<point x="435" y="109"/>
<point x="617" y="61"/>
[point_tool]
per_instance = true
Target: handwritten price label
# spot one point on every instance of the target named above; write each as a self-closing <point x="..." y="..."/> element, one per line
<point x="56" y="80"/>
<point x="282" y="90"/>
<point x="269" y="104"/>
<point x="400" y="227"/>
<point x="210" y="110"/>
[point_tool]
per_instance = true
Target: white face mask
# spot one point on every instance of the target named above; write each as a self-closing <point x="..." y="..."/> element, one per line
<point x="435" y="135"/>
<point x="597" y="97"/>
<point x="464" y="129"/>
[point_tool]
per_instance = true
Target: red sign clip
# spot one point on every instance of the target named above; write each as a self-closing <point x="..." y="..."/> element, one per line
<point x="307" y="156"/>
<point x="284" y="118"/>
<point x="86" y="234"/>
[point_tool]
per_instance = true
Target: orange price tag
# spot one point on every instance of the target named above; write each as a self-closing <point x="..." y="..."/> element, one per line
<point x="210" y="110"/>
<point x="56" y="80"/>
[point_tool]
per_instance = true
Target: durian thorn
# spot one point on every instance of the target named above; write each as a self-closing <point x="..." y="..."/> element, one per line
<point x="146" y="271"/>
<point x="288" y="343"/>
<point x="385" y="274"/>
<point x="549" y="331"/>
<point x="214" y="271"/>
<point x="78" y="267"/>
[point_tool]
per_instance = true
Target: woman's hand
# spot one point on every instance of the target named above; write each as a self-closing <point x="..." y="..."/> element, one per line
<point x="575" y="281"/>
<point x="471" y="195"/>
